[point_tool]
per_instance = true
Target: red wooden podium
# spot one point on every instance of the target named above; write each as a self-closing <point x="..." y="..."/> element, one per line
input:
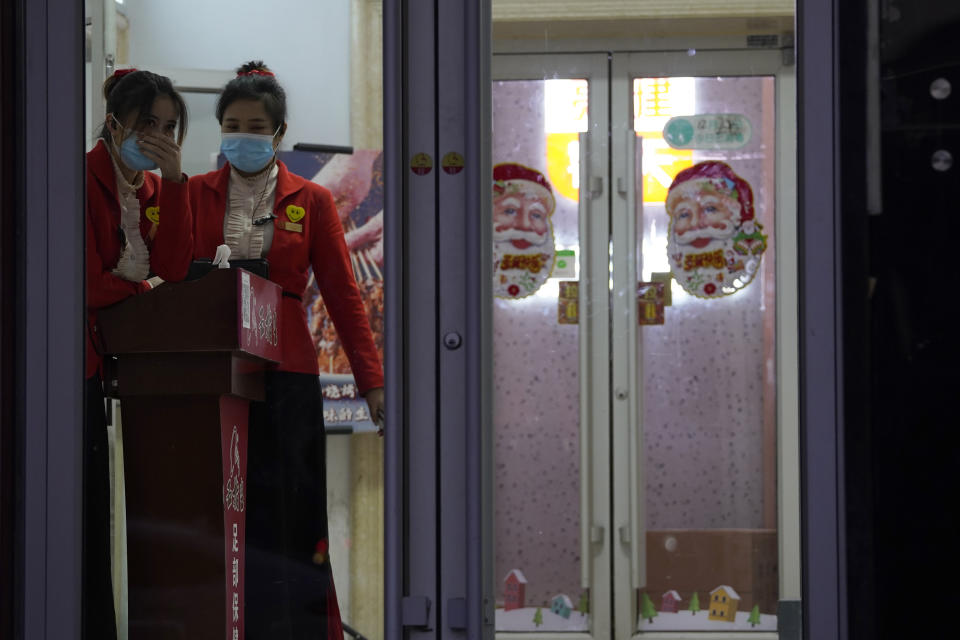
<point x="190" y="357"/>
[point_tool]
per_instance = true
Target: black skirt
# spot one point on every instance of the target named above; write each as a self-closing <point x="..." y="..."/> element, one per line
<point x="289" y="588"/>
<point x="97" y="612"/>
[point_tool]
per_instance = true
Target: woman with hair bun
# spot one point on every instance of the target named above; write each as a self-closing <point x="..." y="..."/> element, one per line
<point x="128" y="252"/>
<point x="261" y="210"/>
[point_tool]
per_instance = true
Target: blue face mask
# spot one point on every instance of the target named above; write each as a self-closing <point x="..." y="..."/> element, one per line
<point x="249" y="152"/>
<point x="131" y="154"/>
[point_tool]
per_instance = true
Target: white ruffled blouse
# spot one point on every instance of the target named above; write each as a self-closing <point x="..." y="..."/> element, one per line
<point x="250" y="200"/>
<point x="134" y="263"/>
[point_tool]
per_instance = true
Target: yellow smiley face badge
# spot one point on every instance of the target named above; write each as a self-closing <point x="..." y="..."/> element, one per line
<point x="153" y="214"/>
<point x="295" y="213"/>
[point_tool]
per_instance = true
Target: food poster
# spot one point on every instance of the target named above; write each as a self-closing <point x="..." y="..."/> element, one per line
<point x="356" y="182"/>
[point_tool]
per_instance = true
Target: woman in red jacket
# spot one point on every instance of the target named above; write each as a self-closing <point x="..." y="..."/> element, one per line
<point x="261" y="210"/>
<point x="128" y="252"/>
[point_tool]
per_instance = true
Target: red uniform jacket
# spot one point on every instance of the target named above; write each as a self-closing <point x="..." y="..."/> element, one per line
<point x="169" y="249"/>
<point x="319" y="244"/>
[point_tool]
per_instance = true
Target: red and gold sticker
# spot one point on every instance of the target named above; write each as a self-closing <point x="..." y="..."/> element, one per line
<point x="421" y="163"/>
<point x="452" y="163"/>
<point x="567" y="307"/>
<point x="650" y="303"/>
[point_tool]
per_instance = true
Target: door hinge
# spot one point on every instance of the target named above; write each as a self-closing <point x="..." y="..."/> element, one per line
<point x="596" y="186"/>
<point x="457" y="614"/>
<point x="596" y="534"/>
<point x="415" y="611"/>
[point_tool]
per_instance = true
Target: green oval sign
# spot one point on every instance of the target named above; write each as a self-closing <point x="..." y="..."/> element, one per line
<point x="708" y="131"/>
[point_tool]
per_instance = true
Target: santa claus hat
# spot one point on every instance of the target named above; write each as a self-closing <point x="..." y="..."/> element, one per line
<point x="718" y="176"/>
<point x="509" y="171"/>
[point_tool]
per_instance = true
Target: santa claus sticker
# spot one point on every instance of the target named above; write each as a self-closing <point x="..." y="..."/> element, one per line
<point x="523" y="252"/>
<point x="714" y="242"/>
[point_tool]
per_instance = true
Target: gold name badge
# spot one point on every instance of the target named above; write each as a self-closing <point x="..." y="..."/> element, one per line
<point x="293" y="226"/>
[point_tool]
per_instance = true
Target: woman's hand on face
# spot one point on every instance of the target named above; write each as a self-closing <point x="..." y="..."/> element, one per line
<point x="375" y="403"/>
<point x="163" y="150"/>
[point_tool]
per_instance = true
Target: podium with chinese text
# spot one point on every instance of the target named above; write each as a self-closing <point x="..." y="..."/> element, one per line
<point x="190" y="357"/>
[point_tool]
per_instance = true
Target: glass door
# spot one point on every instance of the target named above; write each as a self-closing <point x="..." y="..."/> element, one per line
<point x="551" y="344"/>
<point x="704" y="494"/>
<point x="645" y="344"/>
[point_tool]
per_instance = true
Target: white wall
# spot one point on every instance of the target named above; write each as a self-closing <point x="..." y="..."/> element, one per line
<point x="306" y="42"/>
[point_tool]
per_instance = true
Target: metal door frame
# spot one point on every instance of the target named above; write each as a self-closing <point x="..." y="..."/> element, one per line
<point x="437" y="282"/>
<point x="48" y="220"/>
<point x="821" y="320"/>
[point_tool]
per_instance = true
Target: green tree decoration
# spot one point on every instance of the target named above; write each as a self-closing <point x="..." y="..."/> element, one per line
<point x="538" y="617"/>
<point x="584" y="604"/>
<point x="754" y="618"/>
<point x="647" y="609"/>
<point x="694" y="604"/>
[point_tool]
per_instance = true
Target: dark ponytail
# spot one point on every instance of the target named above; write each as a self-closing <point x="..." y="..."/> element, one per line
<point x="255" y="81"/>
<point x="130" y="92"/>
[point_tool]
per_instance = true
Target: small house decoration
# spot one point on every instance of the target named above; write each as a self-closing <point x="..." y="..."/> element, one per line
<point x="561" y="605"/>
<point x="514" y="590"/>
<point x="723" y="604"/>
<point x="670" y="602"/>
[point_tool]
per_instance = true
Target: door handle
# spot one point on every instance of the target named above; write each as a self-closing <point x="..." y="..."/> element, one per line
<point x="634" y="533"/>
<point x="627" y="385"/>
<point x="583" y="304"/>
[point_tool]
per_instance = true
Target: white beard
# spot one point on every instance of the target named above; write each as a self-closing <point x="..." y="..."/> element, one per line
<point x="519" y="280"/>
<point x="713" y="233"/>
<point x="503" y="244"/>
